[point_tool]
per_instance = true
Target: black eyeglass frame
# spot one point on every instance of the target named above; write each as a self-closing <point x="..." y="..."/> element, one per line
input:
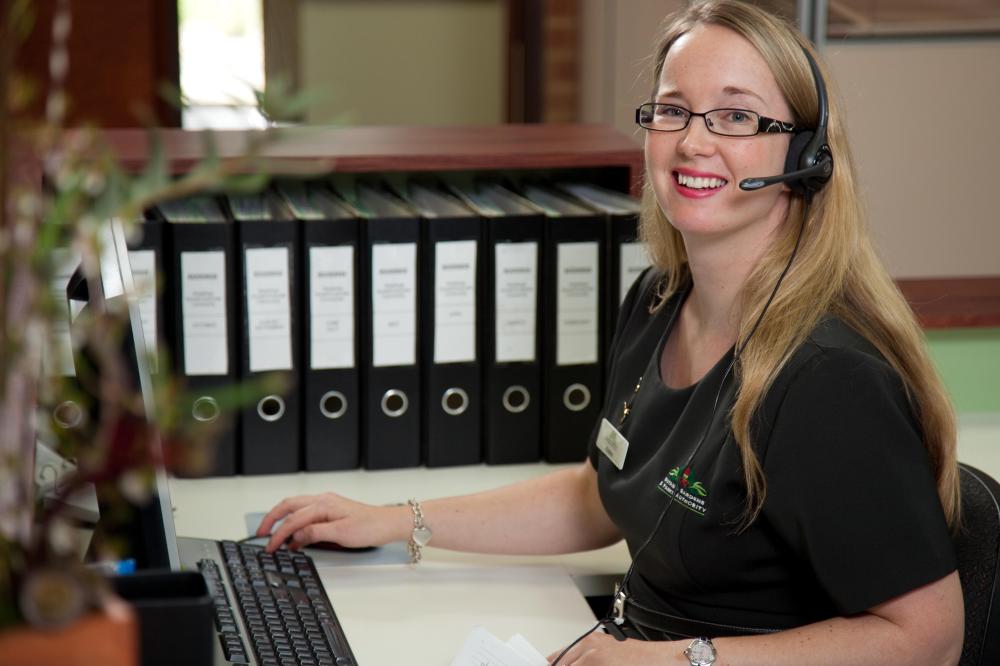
<point x="765" y="125"/>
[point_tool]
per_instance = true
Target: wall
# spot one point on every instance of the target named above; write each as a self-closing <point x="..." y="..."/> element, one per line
<point x="922" y="117"/>
<point x="399" y="62"/>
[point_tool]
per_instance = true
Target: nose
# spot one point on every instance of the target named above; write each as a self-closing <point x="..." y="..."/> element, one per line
<point x="696" y="140"/>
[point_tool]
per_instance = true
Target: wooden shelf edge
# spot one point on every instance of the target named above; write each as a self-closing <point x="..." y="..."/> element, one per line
<point x="954" y="302"/>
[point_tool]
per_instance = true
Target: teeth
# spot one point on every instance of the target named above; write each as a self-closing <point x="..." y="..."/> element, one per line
<point x="699" y="183"/>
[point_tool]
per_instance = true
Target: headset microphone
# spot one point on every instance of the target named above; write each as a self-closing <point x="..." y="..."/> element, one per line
<point x="822" y="170"/>
<point x="809" y="163"/>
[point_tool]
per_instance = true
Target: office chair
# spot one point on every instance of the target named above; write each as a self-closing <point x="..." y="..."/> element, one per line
<point x="978" y="549"/>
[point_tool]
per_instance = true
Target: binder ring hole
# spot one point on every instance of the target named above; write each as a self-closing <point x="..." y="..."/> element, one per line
<point x="333" y="404"/>
<point x="271" y="408"/>
<point x="205" y="409"/>
<point x="395" y="403"/>
<point x="67" y="414"/>
<point x="576" y="397"/>
<point x="516" y="399"/>
<point x="455" y="401"/>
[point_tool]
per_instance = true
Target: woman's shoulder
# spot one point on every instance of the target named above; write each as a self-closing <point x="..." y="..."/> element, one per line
<point x="836" y="357"/>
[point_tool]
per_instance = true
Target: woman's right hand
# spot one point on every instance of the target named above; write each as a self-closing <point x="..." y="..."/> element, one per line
<point x="330" y="517"/>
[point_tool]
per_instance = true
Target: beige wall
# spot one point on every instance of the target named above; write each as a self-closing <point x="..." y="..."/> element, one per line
<point x="931" y="192"/>
<point x="404" y="62"/>
<point x="931" y="195"/>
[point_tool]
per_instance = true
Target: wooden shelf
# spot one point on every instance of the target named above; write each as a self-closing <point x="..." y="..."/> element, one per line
<point x="388" y="149"/>
<point x="954" y="302"/>
<point x="938" y="302"/>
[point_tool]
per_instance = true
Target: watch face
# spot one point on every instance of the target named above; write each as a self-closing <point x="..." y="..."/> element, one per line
<point x="422" y="535"/>
<point x="701" y="653"/>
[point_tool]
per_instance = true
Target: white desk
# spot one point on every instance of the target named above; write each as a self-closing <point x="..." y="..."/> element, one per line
<point x="398" y="614"/>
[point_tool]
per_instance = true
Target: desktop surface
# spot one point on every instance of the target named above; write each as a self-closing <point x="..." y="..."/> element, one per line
<point x="398" y="613"/>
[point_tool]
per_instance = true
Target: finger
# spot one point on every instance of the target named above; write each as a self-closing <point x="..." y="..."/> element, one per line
<point x="310" y="534"/>
<point x="293" y="522"/>
<point x="280" y="510"/>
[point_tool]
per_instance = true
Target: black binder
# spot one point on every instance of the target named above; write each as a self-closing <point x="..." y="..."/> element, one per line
<point x="145" y="253"/>
<point x="512" y="313"/>
<point x="573" y="270"/>
<point x="329" y="333"/>
<point x="201" y="283"/>
<point x="269" y="318"/>
<point x="626" y="256"/>
<point x="450" y="302"/>
<point x="389" y="306"/>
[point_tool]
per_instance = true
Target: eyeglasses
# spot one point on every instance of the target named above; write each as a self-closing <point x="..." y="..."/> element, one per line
<point x="726" y="122"/>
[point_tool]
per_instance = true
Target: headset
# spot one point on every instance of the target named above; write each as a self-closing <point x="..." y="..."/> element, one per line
<point x="809" y="163"/>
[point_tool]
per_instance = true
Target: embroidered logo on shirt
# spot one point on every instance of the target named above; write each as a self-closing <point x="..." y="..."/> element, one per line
<point x="683" y="489"/>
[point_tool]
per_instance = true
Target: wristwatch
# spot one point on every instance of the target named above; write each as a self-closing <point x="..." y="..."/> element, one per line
<point x="700" y="652"/>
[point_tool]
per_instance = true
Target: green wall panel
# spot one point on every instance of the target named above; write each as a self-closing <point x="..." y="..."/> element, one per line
<point x="969" y="362"/>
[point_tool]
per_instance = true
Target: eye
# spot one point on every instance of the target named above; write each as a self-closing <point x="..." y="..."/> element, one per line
<point x="736" y="116"/>
<point x="671" y="111"/>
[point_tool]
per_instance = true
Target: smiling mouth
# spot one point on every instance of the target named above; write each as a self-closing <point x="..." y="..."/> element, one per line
<point x="698" y="182"/>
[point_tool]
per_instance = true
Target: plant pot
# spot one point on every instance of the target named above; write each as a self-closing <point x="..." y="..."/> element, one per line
<point x="108" y="637"/>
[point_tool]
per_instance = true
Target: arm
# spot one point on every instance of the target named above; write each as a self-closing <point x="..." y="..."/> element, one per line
<point x="560" y="512"/>
<point x="921" y="627"/>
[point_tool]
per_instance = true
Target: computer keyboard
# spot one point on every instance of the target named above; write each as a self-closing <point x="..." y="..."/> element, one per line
<point x="288" y="617"/>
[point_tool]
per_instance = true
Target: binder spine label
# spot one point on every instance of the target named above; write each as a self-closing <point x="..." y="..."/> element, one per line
<point x="331" y="306"/>
<point x="516" y="294"/>
<point x="203" y="308"/>
<point x="455" y="301"/>
<point x="57" y="358"/>
<point x="268" y="312"/>
<point x="144" y="279"/>
<point x="576" y="310"/>
<point x="394" y="304"/>
<point x="632" y="260"/>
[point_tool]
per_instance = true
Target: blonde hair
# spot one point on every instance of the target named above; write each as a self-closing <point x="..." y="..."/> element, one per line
<point x="836" y="270"/>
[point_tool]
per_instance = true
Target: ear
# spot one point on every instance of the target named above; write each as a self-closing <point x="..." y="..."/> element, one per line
<point x="793" y="159"/>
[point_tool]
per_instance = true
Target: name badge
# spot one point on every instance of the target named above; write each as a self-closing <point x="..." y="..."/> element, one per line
<point x="612" y="443"/>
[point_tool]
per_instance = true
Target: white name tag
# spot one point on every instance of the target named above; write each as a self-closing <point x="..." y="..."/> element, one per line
<point x="612" y="443"/>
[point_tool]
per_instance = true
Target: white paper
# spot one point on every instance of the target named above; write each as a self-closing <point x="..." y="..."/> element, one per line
<point x="394" y="304"/>
<point x="455" y="301"/>
<point x="481" y="648"/>
<point x="516" y="294"/>
<point x="331" y="305"/>
<point x="203" y="308"/>
<point x="143" y="264"/>
<point x="632" y="260"/>
<point x="577" y="326"/>
<point x="57" y="360"/>
<point x="268" y="310"/>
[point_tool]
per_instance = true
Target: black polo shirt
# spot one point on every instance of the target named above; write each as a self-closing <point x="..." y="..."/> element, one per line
<point x="851" y="518"/>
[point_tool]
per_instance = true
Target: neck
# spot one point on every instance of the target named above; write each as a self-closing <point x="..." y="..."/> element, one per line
<point x="719" y="270"/>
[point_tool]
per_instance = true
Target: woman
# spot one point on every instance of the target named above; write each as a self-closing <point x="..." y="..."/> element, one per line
<point x="777" y="449"/>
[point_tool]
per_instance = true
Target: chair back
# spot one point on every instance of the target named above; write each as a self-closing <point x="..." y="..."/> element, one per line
<point x="977" y="546"/>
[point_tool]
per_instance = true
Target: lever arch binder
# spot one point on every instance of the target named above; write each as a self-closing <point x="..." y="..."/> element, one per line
<point x="573" y="270"/>
<point x="202" y="279"/>
<point x="450" y="279"/>
<point x="512" y="404"/>
<point x="269" y="320"/>
<point x="329" y="350"/>
<point x="145" y="254"/>
<point x="389" y="307"/>
<point x="626" y="256"/>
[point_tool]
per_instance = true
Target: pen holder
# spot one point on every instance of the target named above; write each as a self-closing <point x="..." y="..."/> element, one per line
<point x="175" y="616"/>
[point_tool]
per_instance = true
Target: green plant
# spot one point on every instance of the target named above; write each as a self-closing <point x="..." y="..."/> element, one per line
<point x="57" y="186"/>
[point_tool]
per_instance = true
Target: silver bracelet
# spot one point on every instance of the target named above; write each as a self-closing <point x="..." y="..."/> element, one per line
<point x="421" y="534"/>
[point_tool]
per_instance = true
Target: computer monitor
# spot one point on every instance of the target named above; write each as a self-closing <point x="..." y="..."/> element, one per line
<point x="149" y="534"/>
